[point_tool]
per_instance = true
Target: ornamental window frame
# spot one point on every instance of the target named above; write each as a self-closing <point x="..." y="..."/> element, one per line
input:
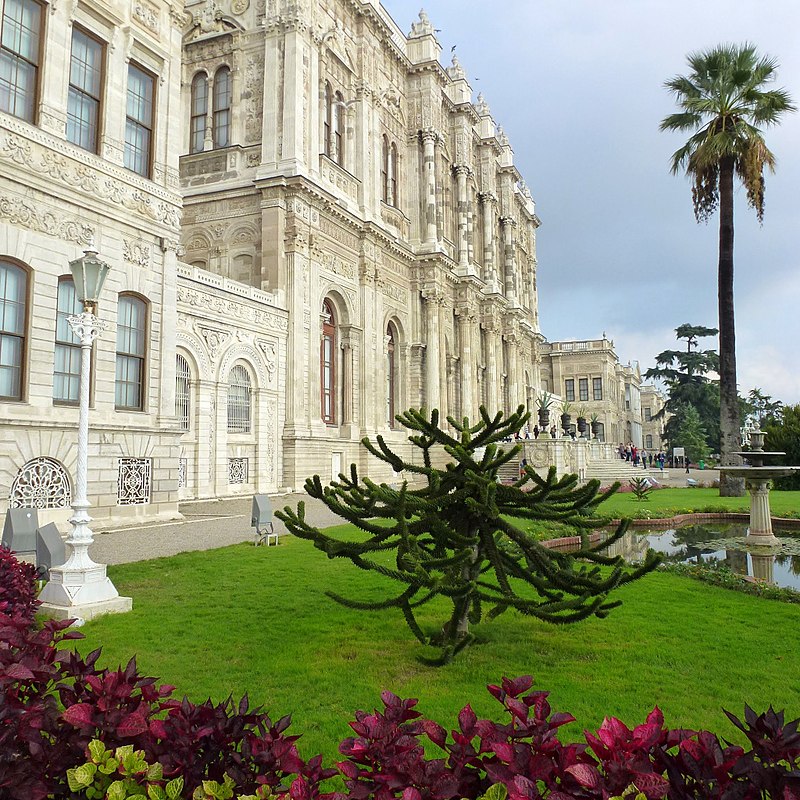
<point x="14" y="337"/>
<point x="132" y="358"/>
<point x="240" y="400"/>
<point x="67" y="345"/>
<point x="137" y="158"/>
<point x="327" y="362"/>
<point x="198" y="112"/>
<point x="11" y="34"/>
<point x="221" y="100"/>
<point x="92" y="97"/>
<point x="59" y="494"/>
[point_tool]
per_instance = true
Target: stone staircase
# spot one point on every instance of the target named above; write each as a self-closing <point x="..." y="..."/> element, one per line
<point x="618" y="470"/>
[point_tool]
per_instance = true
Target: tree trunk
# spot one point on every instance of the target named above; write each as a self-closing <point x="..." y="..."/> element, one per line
<point x="730" y="435"/>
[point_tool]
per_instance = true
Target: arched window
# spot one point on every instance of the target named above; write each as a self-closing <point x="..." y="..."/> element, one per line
<point x="327" y="364"/>
<point x="131" y="351"/>
<point x="222" y="107"/>
<point x="601" y="432"/>
<point x="183" y="392"/>
<point x="13" y="304"/>
<point x="337" y="124"/>
<point x="391" y="374"/>
<point x="197" y="132"/>
<point x="67" y="367"/>
<point x="326" y="127"/>
<point x="392" y="176"/>
<point x="239" y="394"/>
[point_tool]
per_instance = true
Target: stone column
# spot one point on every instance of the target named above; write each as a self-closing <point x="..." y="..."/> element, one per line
<point x="347" y="380"/>
<point x="515" y="397"/>
<point x="509" y="275"/>
<point x="492" y="372"/>
<point x="467" y="364"/>
<point x="489" y="270"/>
<point x="430" y="233"/>
<point x="432" y="368"/>
<point x="462" y="172"/>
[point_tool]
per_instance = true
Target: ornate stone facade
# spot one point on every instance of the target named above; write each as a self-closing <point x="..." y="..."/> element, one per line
<point x="65" y="180"/>
<point x="376" y="202"/>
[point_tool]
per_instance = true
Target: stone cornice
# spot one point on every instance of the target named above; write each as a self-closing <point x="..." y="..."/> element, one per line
<point x="53" y="160"/>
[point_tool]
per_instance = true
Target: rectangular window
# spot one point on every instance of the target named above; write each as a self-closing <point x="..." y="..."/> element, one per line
<point x="85" y="87"/>
<point x="20" y="48"/>
<point x="569" y="389"/>
<point x="647" y="415"/>
<point x="139" y="120"/>
<point x="67" y="368"/>
<point x="583" y="389"/>
<point x="597" y="388"/>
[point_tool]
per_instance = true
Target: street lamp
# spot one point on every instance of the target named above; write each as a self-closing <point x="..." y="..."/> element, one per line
<point x="80" y="588"/>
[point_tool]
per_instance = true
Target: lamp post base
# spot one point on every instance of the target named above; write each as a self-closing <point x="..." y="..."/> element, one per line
<point x="81" y="612"/>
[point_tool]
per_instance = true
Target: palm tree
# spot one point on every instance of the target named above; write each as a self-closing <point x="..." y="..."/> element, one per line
<point x="724" y="103"/>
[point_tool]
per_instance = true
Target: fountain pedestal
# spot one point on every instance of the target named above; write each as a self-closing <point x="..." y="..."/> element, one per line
<point x="757" y="480"/>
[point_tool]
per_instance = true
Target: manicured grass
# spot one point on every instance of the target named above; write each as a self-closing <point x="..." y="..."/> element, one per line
<point x="257" y="620"/>
<point x="668" y="502"/>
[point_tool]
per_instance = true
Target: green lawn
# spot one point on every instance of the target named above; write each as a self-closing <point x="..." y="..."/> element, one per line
<point x="667" y="502"/>
<point x="256" y="619"/>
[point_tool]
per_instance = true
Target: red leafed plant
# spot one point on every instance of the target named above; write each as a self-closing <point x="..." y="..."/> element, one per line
<point x="53" y="702"/>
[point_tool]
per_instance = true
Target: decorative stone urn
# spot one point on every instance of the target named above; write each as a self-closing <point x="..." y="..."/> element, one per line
<point x="544" y="419"/>
<point x="581" y="425"/>
<point x="565" y="420"/>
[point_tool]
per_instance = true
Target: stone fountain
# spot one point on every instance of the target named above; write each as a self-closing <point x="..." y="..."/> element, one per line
<point x="757" y="479"/>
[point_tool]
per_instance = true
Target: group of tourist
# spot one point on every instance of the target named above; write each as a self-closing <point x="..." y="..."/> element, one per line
<point x="633" y="455"/>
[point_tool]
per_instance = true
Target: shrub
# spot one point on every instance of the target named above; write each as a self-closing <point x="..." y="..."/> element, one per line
<point x="17" y="585"/>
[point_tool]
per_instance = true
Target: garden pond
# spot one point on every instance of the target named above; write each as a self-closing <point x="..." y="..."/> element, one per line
<point x="721" y="545"/>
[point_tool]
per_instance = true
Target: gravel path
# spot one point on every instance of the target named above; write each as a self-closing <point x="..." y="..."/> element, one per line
<point x="217" y="523"/>
<point x="206" y="525"/>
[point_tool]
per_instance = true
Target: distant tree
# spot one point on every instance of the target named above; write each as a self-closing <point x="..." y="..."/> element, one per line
<point x="685" y="373"/>
<point x="761" y="409"/>
<point x="458" y="535"/>
<point x="724" y="103"/>
<point x="783" y="435"/>
<point x="689" y="433"/>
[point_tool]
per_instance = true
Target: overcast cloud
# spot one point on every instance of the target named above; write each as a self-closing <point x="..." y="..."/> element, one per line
<point x="578" y="87"/>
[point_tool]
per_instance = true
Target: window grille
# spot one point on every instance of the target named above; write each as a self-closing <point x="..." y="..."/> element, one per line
<point x="41" y="483"/>
<point x="183" y="383"/>
<point x="13" y="302"/>
<point x="131" y="345"/>
<point x="139" y="120"/>
<point x="239" y="396"/>
<point x="238" y="469"/>
<point x="20" y="49"/>
<point x="67" y="356"/>
<point x="197" y="123"/>
<point x="222" y="107"/>
<point x="183" y="466"/>
<point x="85" y="85"/>
<point x="597" y="388"/>
<point x="583" y="389"/>
<point x="134" y="481"/>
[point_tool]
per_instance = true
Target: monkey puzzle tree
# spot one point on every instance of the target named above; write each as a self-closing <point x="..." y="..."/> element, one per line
<point x="460" y="534"/>
<point x="724" y="105"/>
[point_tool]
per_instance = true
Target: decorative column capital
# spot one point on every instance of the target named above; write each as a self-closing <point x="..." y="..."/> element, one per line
<point x="487" y="198"/>
<point x="508" y="221"/>
<point x="462" y="169"/>
<point x="429" y="135"/>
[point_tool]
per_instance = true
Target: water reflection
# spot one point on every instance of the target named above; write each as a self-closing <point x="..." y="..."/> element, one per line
<point x="695" y="544"/>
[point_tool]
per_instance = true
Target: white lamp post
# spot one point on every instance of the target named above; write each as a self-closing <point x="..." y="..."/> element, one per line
<point x="80" y="588"/>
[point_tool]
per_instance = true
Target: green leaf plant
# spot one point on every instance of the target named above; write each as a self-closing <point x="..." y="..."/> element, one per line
<point x="453" y="532"/>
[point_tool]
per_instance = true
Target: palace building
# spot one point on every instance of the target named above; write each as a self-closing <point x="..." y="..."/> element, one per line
<point x="311" y="225"/>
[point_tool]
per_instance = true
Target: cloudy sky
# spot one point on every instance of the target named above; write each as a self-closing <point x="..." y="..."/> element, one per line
<point x="578" y="87"/>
